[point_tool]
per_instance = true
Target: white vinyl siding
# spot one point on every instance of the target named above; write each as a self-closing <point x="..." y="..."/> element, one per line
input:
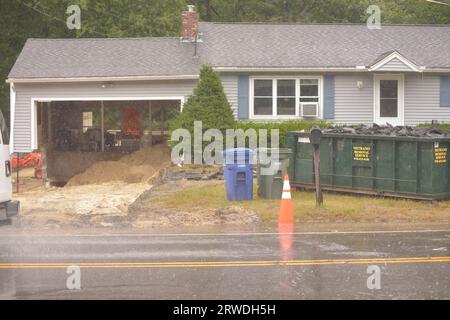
<point x="422" y="100"/>
<point x="230" y="86"/>
<point x="353" y="105"/>
<point x="394" y="65"/>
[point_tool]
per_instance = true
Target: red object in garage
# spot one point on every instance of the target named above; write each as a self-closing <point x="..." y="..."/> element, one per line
<point x="131" y="122"/>
<point x="28" y="161"/>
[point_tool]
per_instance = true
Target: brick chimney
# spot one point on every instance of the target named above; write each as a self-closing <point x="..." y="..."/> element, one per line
<point x="189" y="27"/>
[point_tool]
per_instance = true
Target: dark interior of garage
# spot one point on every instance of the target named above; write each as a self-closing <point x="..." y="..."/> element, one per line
<point x="126" y="125"/>
<point x="72" y="135"/>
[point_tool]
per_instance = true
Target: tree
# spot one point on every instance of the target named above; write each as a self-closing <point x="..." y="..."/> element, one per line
<point x="17" y="23"/>
<point x="322" y="11"/>
<point x="24" y="19"/>
<point x="208" y="104"/>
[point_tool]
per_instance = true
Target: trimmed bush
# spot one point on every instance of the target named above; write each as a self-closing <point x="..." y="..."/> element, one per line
<point x="208" y="104"/>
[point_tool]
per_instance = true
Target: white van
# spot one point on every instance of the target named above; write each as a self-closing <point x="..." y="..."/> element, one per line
<point x="8" y="208"/>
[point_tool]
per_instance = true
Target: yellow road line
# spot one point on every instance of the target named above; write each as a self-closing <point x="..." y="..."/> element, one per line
<point x="221" y="264"/>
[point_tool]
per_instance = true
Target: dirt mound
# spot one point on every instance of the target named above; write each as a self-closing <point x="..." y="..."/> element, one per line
<point x="138" y="167"/>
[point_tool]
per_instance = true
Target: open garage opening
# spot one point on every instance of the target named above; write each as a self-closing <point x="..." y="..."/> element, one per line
<point x="73" y="135"/>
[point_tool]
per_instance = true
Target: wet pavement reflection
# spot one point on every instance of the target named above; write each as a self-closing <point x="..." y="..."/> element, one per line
<point x="282" y="265"/>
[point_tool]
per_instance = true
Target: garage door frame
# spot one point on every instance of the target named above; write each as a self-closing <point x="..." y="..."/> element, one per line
<point x="34" y="101"/>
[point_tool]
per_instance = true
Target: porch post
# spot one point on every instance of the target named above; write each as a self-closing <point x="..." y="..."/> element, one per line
<point x="103" y="126"/>
<point x="163" y="120"/>
<point x="49" y="126"/>
<point x="150" y="129"/>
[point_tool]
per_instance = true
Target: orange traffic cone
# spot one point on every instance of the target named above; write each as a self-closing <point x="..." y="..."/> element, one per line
<point x="286" y="210"/>
<point x="286" y="238"/>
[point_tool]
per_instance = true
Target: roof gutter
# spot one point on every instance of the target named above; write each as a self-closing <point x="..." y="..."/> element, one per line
<point x="288" y="69"/>
<point x="320" y="69"/>
<point x="101" y="79"/>
<point x="437" y="70"/>
<point x="196" y="76"/>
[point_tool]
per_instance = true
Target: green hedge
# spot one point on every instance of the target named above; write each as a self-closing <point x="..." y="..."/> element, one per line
<point x="444" y="126"/>
<point x="284" y="127"/>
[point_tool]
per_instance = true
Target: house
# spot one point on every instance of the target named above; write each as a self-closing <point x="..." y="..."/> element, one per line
<point x="64" y="92"/>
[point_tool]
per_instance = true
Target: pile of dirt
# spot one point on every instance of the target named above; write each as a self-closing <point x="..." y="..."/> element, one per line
<point x="139" y="167"/>
<point x="389" y="130"/>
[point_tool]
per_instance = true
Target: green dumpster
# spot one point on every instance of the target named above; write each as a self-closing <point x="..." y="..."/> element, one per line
<point x="271" y="186"/>
<point x="406" y="167"/>
<point x="291" y="143"/>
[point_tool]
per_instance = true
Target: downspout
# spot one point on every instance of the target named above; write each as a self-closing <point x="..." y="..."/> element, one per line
<point x="103" y="125"/>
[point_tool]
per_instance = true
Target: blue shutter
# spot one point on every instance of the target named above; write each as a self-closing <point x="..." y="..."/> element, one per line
<point x="445" y="91"/>
<point x="329" y="101"/>
<point x="243" y="97"/>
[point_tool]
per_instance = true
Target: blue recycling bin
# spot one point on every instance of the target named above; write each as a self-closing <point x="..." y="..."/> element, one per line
<point x="238" y="173"/>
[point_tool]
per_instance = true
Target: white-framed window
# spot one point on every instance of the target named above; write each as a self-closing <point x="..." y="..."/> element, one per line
<point x="263" y="97"/>
<point x="286" y="104"/>
<point x="310" y="98"/>
<point x="286" y="97"/>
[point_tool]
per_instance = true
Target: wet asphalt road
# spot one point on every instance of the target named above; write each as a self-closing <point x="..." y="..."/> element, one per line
<point x="413" y="265"/>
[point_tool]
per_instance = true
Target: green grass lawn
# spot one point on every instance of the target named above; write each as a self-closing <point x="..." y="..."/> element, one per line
<point x="337" y="207"/>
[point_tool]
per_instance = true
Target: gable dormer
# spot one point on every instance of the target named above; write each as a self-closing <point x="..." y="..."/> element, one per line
<point x="396" y="62"/>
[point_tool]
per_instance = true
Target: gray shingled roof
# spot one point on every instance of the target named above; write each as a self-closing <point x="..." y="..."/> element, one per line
<point x="322" y="45"/>
<point x="234" y="45"/>
<point x="67" y="58"/>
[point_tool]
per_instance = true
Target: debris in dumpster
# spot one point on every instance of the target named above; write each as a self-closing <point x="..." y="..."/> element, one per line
<point x="389" y="130"/>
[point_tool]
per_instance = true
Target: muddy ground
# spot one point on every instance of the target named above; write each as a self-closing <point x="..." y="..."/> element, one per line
<point x="102" y="205"/>
<point x="146" y="212"/>
<point x="190" y="197"/>
<point x="119" y="204"/>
